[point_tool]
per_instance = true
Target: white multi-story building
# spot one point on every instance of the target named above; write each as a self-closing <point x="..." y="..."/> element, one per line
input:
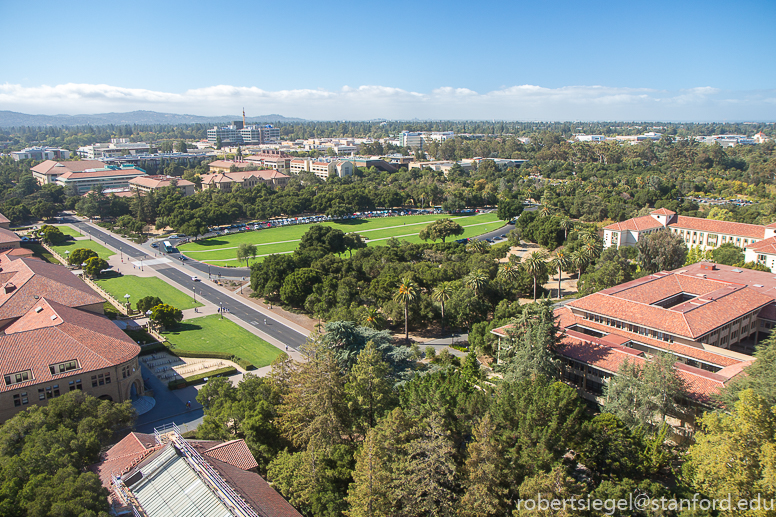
<point x="116" y="147"/>
<point x="408" y="139"/>
<point x="259" y="134"/>
<point x="706" y="234"/>
<point x="228" y="134"/>
<point x="109" y="178"/>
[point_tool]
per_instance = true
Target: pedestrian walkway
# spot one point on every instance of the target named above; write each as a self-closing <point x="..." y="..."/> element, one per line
<point x="143" y="405"/>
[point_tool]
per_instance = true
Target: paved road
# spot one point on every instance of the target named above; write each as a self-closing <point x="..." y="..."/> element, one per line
<point x="237" y="308"/>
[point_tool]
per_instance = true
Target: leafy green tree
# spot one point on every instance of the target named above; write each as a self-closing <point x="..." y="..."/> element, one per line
<point x="331" y="240"/>
<point x="80" y="255"/>
<point x="661" y="251"/>
<point x="219" y="144"/>
<point x="486" y="485"/>
<point x="44" y="209"/>
<point x="315" y="408"/>
<point x="530" y="347"/>
<point x="354" y="241"/>
<point x="45" y="452"/>
<point x="193" y="227"/>
<point x="477" y="246"/>
<point x="610" y="269"/>
<point x="166" y="315"/>
<point x="147" y="303"/>
<point x="728" y="254"/>
<point x="52" y="235"/>
<point x="509" y="209"/>
<point x="94" y="266"/>
<point x="611" y="450"/>
<point x="555" y="485"/>
<point x="246" y="251"/>
<point x="181" y="146"/>
<point x="299" y="285"/>
<point x="406" y="294"/>
<point x="368" y="389"/>
<point x="644" y="395"/>
<point x="441" y="229"/>
<point x="734" y="453"/>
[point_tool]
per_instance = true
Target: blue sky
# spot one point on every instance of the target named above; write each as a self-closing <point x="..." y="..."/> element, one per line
<point x="428" y="59"/>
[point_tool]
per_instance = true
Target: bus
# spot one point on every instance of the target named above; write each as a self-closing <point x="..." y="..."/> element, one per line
<point x="168" y="248"/>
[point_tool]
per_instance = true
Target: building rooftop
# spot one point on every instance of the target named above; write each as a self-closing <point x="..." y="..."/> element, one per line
<point x="23" y="281"/>
<point x="159" y="181"/>
<point x="51" y="333"/>
<point x="55" y="167"/>
<point x="646" y="222"/>
<point x="7" y="236"/>
<point x="104" y="172"/>
<point x="171" y="476"/>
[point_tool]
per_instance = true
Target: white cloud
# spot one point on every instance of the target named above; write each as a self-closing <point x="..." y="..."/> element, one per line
<point x="522" y="102"/>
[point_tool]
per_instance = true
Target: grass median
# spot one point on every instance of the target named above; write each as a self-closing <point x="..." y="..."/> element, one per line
<point x="140" y="287"/>
<point x="212" y="334"/>
<point x="98" y="248"/>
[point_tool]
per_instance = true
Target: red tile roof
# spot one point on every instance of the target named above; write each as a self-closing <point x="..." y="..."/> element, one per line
<point x="29" y="279"/>
<point x="101" y="173"/>
<point x="646" y="222"/>
<point x="124" y="456"/>
<point x="228" y="164"/>
<point x="159" y="181"/>
<point x="764" y="246"/>
<point x="663" y="211"/>
<point x="54" y="167"/>
<point x="234" y="452"/>
<point x="692" y="319"/>
<point x="7" y="237"/>
<point x="4" y="219"/>
<point x="51" y="333"/>
<point x="713" y="226"/>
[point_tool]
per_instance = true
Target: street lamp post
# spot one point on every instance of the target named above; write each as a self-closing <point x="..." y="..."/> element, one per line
<point x="67" y="256"/>
<point x="221" y="309"/>
<point x="148" y="315"/>
<point x="121" y="254"/>
<point x="194" y="290"/>
<point x="208" y="271"/>
<point x="126" y="297"/>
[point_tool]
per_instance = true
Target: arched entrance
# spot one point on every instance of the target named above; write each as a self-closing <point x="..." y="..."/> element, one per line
<point x="106" y="397"/>
<point x="135" y="390"/>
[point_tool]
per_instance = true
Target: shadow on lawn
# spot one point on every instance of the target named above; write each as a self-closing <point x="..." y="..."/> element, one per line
<point x="182" y="327"/>
<point x="213" y="241"/>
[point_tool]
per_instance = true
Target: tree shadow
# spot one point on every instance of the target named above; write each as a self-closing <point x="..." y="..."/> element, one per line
<point x="213" y="241"/>
<point x="183" y="327"/>
<point x="353" y="222"/>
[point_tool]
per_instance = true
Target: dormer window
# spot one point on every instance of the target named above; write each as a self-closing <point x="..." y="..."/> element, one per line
<point x="67" y="366"/>
<point x="16" y="378"/>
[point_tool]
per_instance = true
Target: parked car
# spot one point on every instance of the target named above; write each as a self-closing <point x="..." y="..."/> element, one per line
<point x="154" y="245"/>
<point x="195" y="278"/>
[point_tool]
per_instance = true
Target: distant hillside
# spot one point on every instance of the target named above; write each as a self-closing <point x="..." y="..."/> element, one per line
<point x="12" y="118"/>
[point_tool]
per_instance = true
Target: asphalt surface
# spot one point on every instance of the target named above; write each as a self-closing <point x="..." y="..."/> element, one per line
<point x="236" y="308"/>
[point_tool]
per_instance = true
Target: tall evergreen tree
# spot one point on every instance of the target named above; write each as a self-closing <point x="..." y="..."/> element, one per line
<point x="486" y="492"/>
<point x="368" y="390"/>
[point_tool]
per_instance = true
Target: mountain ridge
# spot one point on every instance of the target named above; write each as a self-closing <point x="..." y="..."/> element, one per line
<point x="13" y="118"/>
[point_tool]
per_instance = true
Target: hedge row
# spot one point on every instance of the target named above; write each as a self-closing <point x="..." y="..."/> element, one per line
<point x="198" y="378"/>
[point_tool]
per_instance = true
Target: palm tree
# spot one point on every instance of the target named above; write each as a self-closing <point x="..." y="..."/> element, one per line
<point x="566" y="224"/>
<point x="508" y="272"/>
<point x="535" y="265"/>
<point x="580" y="260"/>
<point x="441" y="294"/>
<point x="372" y="318"/>
<point x="561" y="261"/>
<point x="407" y="294"/>
<point x="477" y="246"/>
<point x="593" y="249"/>
<point x="545" y="211"/>
<point x="476" y="281"/>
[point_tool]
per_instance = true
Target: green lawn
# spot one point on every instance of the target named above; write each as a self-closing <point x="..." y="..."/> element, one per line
<point x="140" y="287"/>
<point x="68" y="230"/>
<point x="101" y="250"/>
<point x="211" y="334"/>
<point x="222" y="250"/>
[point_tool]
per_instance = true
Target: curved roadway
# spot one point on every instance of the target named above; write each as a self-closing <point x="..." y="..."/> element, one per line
<point x="249" y="314"/>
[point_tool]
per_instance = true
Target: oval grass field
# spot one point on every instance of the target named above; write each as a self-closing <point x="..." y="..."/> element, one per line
<point x="222" y="250"/>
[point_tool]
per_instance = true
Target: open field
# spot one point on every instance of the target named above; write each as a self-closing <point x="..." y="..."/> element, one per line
<point x="222" y="250"/>
<point x="211" y="334"/>
<point x="68" y="230"/>
<point x="139" y="288"/>
<point x="101" y="250"/>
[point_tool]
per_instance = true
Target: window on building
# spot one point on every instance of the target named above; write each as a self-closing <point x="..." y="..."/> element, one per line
<point x="16" y="378"/>
<point x="63" y="367"/>
<point x="41" y="394"/>
<point x="75" y="385"/>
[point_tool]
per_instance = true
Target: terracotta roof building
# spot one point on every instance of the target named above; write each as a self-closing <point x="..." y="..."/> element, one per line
<point x="5" y="222"/>
<point x="48" y="171"/>
<point x="226" y="165"/>
<point x="109" y="177"/>
<point x="696" y="232"/>
<point x="52" y="349"/>
<point x="246" y="179"/>
<point x="8" y="239"/>
<point x="151" y="183"/>
<point x="166" y="475"/>
<point x="707" y="316"/>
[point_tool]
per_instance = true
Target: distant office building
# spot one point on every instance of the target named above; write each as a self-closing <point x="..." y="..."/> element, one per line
<point x="271" y="159"/>
<point x="260" y="134"/>
<point x="441" y="136"/>
<point x="228" y="135"/>
<point x="108" y="177"/>
<point x="41" y="153"/>
<point x="116" y="147"/>
<point x="590" y="138"/>
<point x="408" y="139"/>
